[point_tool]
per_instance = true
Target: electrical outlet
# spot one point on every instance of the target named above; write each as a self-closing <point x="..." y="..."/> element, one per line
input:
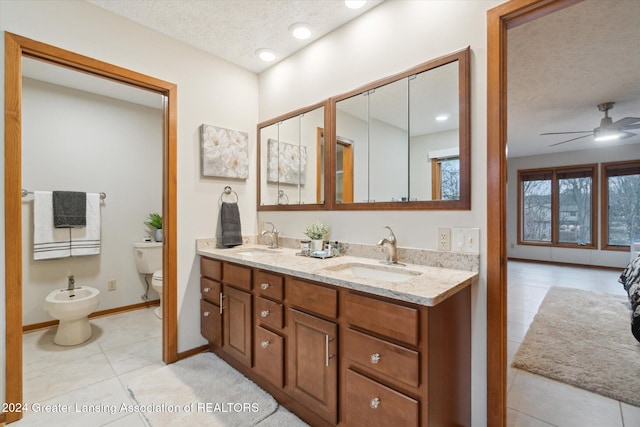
<point x="444" y="239"/>
<point x="112" y="285"/>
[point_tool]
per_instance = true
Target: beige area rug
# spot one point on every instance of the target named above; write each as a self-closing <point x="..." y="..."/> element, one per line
<point x="203" y="390"/>
<point x="584" y="339"/>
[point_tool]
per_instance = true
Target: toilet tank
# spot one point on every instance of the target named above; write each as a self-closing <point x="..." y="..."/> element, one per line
<point x="148" y="256"/>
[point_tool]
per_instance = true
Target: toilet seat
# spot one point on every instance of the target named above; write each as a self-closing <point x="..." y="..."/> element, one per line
<point x="156" y="282"/>
<point x="157" y="275"/>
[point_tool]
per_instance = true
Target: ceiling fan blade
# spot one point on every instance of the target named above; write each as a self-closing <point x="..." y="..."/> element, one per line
<point x="569" y="140"/>
<point x="624" y="122"/>
<point x="627" y="135"/>
<point x="564" y="133"/>
<point x="630" y="127"/>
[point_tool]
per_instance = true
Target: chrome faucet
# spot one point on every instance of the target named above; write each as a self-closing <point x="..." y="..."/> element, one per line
<point x="72" y="283"/>
<point x="274" y="235"/>
<point x="390" y="245"/>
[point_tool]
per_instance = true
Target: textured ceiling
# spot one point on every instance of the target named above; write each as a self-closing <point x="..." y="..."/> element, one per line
<point x="561" y="66"/>
<point x="235" y="29"/>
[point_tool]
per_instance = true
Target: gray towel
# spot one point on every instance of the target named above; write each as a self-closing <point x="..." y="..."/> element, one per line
<point x="230" y="219"/>
<point x="69" y="209"/>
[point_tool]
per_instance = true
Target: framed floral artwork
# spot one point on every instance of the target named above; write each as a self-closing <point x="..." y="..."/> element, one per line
<point x="224" y="152"/>
<point x="287" y="163"/>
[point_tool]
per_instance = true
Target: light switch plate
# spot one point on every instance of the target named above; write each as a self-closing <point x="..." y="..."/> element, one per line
<point x="465" y="240"/>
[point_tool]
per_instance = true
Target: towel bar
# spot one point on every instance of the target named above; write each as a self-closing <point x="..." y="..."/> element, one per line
<point x="227" y="190"/>
<point x="25" y="193"/>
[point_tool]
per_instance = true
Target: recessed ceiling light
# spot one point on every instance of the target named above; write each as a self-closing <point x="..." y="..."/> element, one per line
<point x="300" y="30"/>
<point x="442" y="117"/>
<point x="354" y="4"/>
<point x="266" y="55"/>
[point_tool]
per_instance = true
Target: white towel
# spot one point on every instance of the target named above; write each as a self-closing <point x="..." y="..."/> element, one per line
<point x="48" y="242"/>
<point x="86" y="240"/>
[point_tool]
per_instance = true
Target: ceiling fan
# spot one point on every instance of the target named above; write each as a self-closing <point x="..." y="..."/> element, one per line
<point x="608" y="129"/>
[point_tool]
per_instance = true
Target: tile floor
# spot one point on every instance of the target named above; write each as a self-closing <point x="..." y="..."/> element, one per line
<point x="536" y="401"/>
<point x="122" y="346"/>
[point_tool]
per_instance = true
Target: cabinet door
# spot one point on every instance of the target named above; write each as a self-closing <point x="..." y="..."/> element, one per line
<point x="313" y="372"/>
<point x="236" y="311"/>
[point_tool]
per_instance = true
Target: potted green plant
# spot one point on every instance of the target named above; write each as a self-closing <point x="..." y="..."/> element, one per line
<point x="155" y="222"/>
<point x="317" y="232"/>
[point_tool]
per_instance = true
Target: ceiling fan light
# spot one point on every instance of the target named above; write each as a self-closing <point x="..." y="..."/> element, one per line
<point x="607" y="135"/>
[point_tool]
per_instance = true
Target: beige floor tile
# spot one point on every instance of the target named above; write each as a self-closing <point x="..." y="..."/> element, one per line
<point x="40" y="352"/>
<point x="128" y="328"/>
<point x="135" y="356"/>
<point x="630" y="415"/>
<point x="518" y="419"/>
<point x="131" y="420"/>
<point x="561" y="404"/>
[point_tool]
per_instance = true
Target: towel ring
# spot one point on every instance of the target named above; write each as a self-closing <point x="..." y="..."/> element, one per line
<point x="228" y="191"/>
<point x="282" y="194"/>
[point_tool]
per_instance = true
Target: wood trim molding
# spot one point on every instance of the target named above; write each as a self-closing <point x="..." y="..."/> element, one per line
<point x="15" y="47"/>
<point x="192" y="352"/>
<point x="499" y="19"/>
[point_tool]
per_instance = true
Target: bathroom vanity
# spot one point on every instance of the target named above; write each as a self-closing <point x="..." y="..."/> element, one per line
<point x="343" y="341"/>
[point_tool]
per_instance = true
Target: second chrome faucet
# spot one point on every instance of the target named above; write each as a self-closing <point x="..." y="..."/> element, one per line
<point x="274" y="235"/>
<point x="390" y="245"/>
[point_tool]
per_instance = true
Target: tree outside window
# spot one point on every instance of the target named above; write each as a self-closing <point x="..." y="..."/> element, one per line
<point x="621" y="204"/>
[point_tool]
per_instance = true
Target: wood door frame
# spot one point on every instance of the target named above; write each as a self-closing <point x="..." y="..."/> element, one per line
<point x="15" y="48"/>
<point x="499" y="20"/>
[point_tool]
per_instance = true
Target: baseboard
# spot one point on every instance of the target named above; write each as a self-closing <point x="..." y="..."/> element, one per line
<point x="101" y="313"/>
<point x="193" y="351"/>
<point x="3" y="419"/>
<point x="566" y="264"/>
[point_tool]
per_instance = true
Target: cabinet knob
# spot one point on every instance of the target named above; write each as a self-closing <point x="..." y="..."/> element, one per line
<point x="264" y="286"/>
<point x="206" y="313"/>
<point x="264" y="313"/>
<point x="375" y="358"/>
<point x="265" y="344"/>
<point x="206" y="289"/>
<point x="375" y="402"/>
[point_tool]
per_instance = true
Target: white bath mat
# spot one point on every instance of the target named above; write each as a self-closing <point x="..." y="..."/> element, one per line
<point x="201" y="390"/>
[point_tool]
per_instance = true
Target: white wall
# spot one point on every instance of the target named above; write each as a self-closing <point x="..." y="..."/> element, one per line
<point x="210" y="91"/>
<point x="77" y="141"/>
<point x="595" y="257"/>
<point x="390" y="38"/>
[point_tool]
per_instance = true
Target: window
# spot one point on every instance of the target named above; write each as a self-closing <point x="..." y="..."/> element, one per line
<point x="445" y="179"/>
<point x="556" y="206"/>
<point x="620" y="204"/>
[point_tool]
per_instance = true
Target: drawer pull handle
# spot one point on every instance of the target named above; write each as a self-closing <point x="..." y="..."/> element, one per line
<point x="264" y="313"/>
<point x="221" y="297"/>
<point x="206" y="313"/>
<point x="327" y="356"/>
<point x="375" y="358"/>
<point x="375" y="402"/>
<point x="265" y="344"/>
<point x="207" y="289"/>
<point x="264" y="286"/>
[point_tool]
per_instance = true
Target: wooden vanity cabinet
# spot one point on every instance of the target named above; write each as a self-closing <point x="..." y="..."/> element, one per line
<point x="335" y="356"/>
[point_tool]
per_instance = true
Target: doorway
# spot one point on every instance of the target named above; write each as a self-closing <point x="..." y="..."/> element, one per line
<point x="17" y="47"/>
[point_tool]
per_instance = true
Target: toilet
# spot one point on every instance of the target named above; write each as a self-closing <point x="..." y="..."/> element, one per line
<point x="72" y="308"/>
<point x="148" y="257"/>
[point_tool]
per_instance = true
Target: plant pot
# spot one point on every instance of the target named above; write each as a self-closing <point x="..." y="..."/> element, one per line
<point x="317" y="245"/>
<point x="158" y="235"/>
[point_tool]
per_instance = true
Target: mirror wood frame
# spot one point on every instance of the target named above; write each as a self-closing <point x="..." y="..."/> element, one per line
<point x="326" y="168"/>
<point x="464" y="103"/>
<point x="15" y="48"/>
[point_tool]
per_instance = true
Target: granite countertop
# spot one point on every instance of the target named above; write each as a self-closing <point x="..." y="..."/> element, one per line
<point x="425" y="286"/>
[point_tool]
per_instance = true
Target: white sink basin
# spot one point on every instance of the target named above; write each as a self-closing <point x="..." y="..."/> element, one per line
<point x="377" y="272"/>
<point x="253" y="252"/>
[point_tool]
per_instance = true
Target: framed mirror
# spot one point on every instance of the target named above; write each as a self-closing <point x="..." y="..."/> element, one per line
<point x="404" y="142"/>
<point x="292" y="169"/>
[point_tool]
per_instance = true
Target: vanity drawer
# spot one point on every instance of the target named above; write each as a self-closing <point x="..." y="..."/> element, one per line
<point x="314" y="298"/>
<point x="371" y="404"/>
<point x="383" y="357"/>
<point x="269" y="356"/>
<point x="388" y="319"/>
<point x="210" y="290"/>
<point x="211" y="323"/>
<point x="269" y="285"/>
<point x="237" y="276"/>
<point x="269" y="312"/>
<point x="210" y="268"/>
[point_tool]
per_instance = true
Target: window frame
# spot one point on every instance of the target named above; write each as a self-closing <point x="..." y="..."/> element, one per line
<point x="604" y="205"/>
<point x="554" y="173"/>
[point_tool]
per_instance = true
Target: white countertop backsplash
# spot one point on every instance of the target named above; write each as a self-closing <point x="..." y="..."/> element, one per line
<point x="442" y="274"/>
